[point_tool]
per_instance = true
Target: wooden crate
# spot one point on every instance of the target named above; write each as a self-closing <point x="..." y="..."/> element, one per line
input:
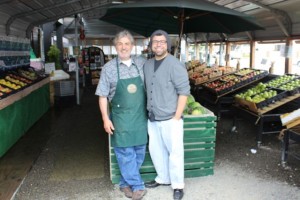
<point x="199" y="150"/>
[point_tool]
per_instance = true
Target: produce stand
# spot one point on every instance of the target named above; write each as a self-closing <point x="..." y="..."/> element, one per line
<point x="19" y="111"/>
<point x="230" y="86"/>
<point x="199" y="149"/>
<point x="262" y="103"/>
<point x="263" y="117"/>
<point x="223" y="99"/>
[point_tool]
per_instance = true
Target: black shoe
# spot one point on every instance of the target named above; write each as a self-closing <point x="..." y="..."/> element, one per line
<point x="178" y="194"/>
<point x="154" y="184"/>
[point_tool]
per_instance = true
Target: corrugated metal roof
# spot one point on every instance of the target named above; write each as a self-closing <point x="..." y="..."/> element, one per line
<point x="281" y="18"/>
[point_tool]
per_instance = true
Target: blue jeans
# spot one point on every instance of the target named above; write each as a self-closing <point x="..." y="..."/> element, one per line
<point x="130" y="160"/>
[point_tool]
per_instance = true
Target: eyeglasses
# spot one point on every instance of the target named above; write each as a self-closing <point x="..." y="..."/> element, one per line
<point x="159" y="42"/>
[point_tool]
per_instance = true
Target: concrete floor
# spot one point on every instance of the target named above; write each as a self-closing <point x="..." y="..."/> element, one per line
<point x="64" y="156"/>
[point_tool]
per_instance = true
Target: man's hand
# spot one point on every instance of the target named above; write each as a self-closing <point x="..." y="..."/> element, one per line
<point x="108" y="126"/>
<point x="177" y="118"/>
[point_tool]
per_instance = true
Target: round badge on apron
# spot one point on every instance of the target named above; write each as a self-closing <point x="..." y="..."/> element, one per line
<point x="131" y="88"/>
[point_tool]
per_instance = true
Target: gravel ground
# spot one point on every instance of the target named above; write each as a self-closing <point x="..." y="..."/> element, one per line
<point x="239" y="173"/>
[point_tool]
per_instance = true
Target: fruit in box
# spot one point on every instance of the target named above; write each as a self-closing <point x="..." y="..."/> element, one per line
<point x="291" y="85"/>
<point x="192" y="107"/>
<point x="9" y="84"/>
<point x="5" y="89"/>
<point x="257" y="93"/>
<point x="20" y="78"/>
<point x="16" y="81"/>
<point x="190" y="99"/>
<point x="285" y="82"/>
<point x="28" y="74"/>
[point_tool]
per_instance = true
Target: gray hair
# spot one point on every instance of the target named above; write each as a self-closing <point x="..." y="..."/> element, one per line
<point x="121" y="34"/>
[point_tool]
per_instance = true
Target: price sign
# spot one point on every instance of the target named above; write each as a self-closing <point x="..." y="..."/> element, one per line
<point x="49" y="67"/>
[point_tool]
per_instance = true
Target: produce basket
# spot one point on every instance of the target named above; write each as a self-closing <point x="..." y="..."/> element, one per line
<point x="294" y="91"/>
<point x="215" y="73"/>
<point x="281" y="94"/>
<point x="201" y="79"/>
<point x="199" y="149"/>
<point x="231" y="82"/>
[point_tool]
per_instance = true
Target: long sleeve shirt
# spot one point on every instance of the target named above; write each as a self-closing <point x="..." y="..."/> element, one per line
<point x="164" y="85"/>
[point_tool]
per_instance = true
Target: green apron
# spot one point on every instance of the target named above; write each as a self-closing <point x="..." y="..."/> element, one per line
<point x="129" y="112"/>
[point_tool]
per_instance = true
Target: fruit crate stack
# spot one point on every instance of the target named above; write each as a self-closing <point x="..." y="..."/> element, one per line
<point x="199" y="149"/>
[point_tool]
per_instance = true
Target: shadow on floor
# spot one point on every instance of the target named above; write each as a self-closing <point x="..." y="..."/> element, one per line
<point x="72" y="133"/>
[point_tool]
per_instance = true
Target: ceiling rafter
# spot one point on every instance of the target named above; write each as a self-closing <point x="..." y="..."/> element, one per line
<point x="282" y="18"/>
<point x="250" y="35"/>
<point x="23" y="14"/>
<point x="69" y="25"/>
<point x="98" y="5"/>
<point x="7" y="1"/>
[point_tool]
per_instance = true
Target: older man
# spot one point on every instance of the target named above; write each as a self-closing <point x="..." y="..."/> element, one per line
<point x="121" y="83"/>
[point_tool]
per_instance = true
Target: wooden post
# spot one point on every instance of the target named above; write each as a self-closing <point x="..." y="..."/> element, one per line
<point x="197" y="51"/>
<point x="288" y="59"/>
<point x="271" y="69"/>
<point x="238" y="65"/>
<point x="252" y="53"/>
<point x="211" y="46"/>
<point x="227" y="54"/>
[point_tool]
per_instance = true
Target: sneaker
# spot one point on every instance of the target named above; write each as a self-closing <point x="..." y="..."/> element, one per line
<point x="178" y="194"/>
<point x="138" y="195"/>
<point x="127" y="191"/>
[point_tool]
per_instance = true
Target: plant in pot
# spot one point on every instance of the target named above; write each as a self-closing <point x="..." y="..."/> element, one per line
<point x="53" y="56"/>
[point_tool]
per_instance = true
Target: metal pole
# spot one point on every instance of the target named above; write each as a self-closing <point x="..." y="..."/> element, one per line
<point x="77" y="83"/>
<point x="77" y="66"/>
<point x="42" y="48"/>
<point x="207" y="60"/>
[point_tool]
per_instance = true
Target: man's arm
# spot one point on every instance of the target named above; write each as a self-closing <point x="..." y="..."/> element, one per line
<point x="107" y="123"/>
<point x="180" y="106"/>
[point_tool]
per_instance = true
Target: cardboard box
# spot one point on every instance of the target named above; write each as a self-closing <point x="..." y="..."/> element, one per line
<point x="290" y="119"/>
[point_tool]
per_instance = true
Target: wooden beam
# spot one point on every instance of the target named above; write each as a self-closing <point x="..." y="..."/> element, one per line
<point x="281" y="17"/>
<point x="288" y="59"/>
<point x="227" y="53"/>
<point x="252" y="53"/>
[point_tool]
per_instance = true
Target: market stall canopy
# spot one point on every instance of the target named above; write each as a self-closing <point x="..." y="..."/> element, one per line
<point x="179" y="17"/>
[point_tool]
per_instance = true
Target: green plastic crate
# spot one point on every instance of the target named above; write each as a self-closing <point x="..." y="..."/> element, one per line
<point x="199" y="150"/>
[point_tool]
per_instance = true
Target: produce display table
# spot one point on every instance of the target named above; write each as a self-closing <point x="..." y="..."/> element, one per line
<point x="217" y="95"/>
<point x="264" y="117"/>
<point x="221" y="101"/>
<point x="199" y="150"/>
<point x="19" y="111"/>
<point x="292" y="134"/>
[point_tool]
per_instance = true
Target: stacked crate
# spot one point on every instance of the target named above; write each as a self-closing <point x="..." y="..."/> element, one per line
<point x="199" y="149"/>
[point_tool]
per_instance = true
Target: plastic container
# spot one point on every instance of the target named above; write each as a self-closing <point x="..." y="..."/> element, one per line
<point x="64" y="88"/>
